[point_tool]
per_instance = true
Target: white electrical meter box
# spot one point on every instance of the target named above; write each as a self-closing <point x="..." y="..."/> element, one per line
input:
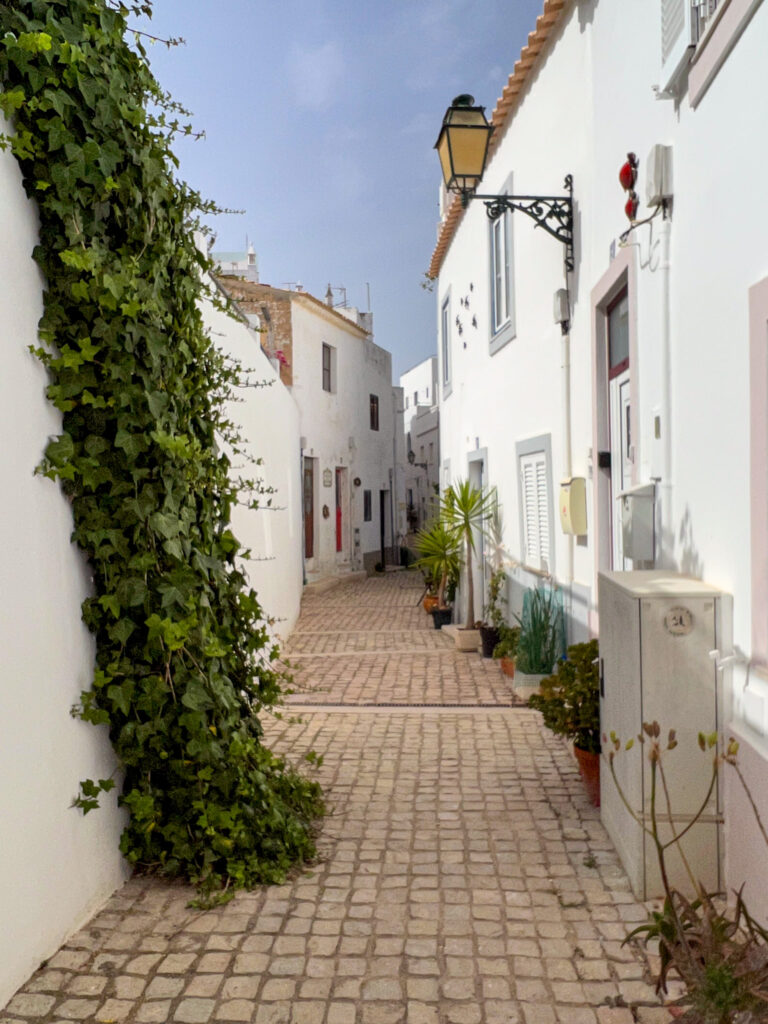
<point x="656" y="633"/>
<point x="637" y="522"/>
<point x="573" y="505"/>
<point x="658" y="175"/>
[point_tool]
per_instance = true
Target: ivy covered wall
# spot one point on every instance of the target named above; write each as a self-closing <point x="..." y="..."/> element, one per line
<point x="183" y="660"/>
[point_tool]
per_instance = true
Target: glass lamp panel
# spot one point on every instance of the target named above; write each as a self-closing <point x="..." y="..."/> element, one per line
<point x="468" y="146"/>
<point x="444" y="152"/>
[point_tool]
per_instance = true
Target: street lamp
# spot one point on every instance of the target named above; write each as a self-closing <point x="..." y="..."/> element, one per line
<point x="413" y="462"/>
<point x="463" y="150"/>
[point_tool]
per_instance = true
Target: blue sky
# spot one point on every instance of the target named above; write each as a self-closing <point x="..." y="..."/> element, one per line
<point x="320" y="117"/>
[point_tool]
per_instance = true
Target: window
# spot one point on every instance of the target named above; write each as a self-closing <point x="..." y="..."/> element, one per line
<point x="415" y="397"/>
<point x="367" y="506"/>
<point x="618" y="334"/>
<point x="374" y="412"/>
<point x="445" y="344"/>
<point x="534" y="458"/>
<point x="431" y="451"/>
<point x="327" y="367"/>
<point x="427" y="392"/>
<point x="406" y="401"/>
<point x="502" y="280"/>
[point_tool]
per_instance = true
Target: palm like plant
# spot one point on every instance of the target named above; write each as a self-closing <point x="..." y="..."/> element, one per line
<point x="440" y="551"/>
<point x="465" y="509"/>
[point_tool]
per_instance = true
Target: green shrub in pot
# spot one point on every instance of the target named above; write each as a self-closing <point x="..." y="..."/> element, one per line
<point x="569" y="700"/>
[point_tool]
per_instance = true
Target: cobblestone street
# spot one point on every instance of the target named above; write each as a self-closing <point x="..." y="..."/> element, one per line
<point x="462" y="876"/>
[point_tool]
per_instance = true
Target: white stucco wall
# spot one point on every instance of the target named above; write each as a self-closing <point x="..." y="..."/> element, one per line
<point x="499" y="400"/>
<point x="268" y="420"/>
<point x="420" y="382"/>
<point x="56" y="867"/>
<point x="589" y="103"/>
<point x="337" y="430"/>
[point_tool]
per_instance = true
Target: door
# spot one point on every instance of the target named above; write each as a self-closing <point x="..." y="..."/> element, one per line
<point x="309" y="509"/>
<point x="383" y="525"/>
<point x="620" y="413"/>
<point x="339" y="502"/>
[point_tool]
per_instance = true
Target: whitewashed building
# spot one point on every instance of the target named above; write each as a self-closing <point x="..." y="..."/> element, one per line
<point x="350" y="426"/>
<point x="421" y="423"/>
<point x="659" y="385"/>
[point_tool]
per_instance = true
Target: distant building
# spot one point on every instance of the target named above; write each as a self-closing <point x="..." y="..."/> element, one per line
<point x="421" y="424"/>
<point x="352" y="450"/>
<point x="238" y="264"/>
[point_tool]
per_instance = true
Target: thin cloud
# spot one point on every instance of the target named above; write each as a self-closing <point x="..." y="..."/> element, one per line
<point x="316" y="74"/>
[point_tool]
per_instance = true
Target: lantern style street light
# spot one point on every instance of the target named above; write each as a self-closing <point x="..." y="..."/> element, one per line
<point x="463" y="150"/>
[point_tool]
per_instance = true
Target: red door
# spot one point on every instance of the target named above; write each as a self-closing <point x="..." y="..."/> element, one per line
<point x="338" y="509"/>
<point x="309" y="510"/>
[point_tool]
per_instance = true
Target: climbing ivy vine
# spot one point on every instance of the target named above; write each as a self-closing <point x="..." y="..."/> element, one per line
<point x="184" y="662"/>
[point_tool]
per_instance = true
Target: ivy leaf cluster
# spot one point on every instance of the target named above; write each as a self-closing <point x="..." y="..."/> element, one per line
<point x="184" y="662"/>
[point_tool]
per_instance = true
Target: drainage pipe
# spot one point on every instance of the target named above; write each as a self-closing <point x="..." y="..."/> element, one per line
<point x="666" y="541"/>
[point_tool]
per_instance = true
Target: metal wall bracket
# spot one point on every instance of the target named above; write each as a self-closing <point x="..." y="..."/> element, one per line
<point x="553" y="213"/>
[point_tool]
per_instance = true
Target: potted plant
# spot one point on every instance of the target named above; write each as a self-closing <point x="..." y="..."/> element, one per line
<point x="490" y="627"/>
<point x="505" y="650"/>
<point x="465" y="510"/>
<point x="569" y="702"/>
<point x="428" y="599"/>
<point x="439" y="550"/>
<point x="540" y="643"/>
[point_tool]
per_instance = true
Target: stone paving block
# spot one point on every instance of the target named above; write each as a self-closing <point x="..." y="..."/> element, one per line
<point x="115" y="1010"/>
<point x="29" y="1005"/>
<point x="194" y="1011"/>
<point x="154" y="1012"/>
<point x="204" y="985"/>
<point x="76" y="1009"/>
<point x="236" y="1009"/>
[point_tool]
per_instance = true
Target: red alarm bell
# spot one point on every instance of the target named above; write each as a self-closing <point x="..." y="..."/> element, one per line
<point x="631" y="205"/>
<point x="628" y="172"/>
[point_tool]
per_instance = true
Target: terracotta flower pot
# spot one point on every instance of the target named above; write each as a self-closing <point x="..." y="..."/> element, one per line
<point x="589" y="769"/>
<point x="429" y="602"/>
<point x="508" y="667"/>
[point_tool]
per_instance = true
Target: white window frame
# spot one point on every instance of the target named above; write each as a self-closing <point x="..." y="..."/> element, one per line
<point x="537" y="534"/>
<point x="445" y="342"/>
<point x="502" y="278"/>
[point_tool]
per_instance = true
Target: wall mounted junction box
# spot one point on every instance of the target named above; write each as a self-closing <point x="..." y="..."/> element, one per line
<point x="573" y="505"/>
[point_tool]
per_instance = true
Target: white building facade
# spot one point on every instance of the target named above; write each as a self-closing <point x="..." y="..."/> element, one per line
<point x="421" y="423"/>
<point x="351" y="437"/>
<point x="660" y="379"/>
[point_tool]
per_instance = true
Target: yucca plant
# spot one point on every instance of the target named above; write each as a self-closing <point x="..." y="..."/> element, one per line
<point x="465" y="510"/>
<point x="440" y="555"/>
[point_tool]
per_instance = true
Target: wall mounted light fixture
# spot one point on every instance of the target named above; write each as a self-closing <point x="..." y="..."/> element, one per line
<point x="463" y="150"/>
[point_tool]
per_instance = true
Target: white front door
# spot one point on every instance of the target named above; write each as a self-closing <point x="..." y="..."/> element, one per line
<point x="621" y="456"/>
<point x="621" y="441"/>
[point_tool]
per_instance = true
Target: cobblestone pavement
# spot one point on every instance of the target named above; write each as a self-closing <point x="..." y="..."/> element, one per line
<point x="462" y="876"/>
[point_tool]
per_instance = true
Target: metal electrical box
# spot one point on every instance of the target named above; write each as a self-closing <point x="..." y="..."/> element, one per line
<point x="637" y="522"/>
<point x="656" y="633"/>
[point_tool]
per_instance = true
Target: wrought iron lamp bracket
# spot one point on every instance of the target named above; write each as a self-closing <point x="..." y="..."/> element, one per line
<point x="553" y="213"/>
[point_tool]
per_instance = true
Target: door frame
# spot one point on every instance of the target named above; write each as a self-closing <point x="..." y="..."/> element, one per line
<point x="622" y="274"/>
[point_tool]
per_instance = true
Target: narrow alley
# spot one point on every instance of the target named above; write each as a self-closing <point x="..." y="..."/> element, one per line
<point x="462" y="875"/>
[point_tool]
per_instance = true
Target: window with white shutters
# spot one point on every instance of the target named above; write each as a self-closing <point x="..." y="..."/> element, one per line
<point x="534" y="486"/>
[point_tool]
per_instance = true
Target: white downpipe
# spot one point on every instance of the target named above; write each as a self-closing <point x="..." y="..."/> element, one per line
<point x="565" y="378"/>
<point x="666" y="541"/>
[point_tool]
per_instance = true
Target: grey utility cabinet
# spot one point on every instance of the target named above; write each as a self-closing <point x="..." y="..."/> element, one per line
<point x="657" y="630"/>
